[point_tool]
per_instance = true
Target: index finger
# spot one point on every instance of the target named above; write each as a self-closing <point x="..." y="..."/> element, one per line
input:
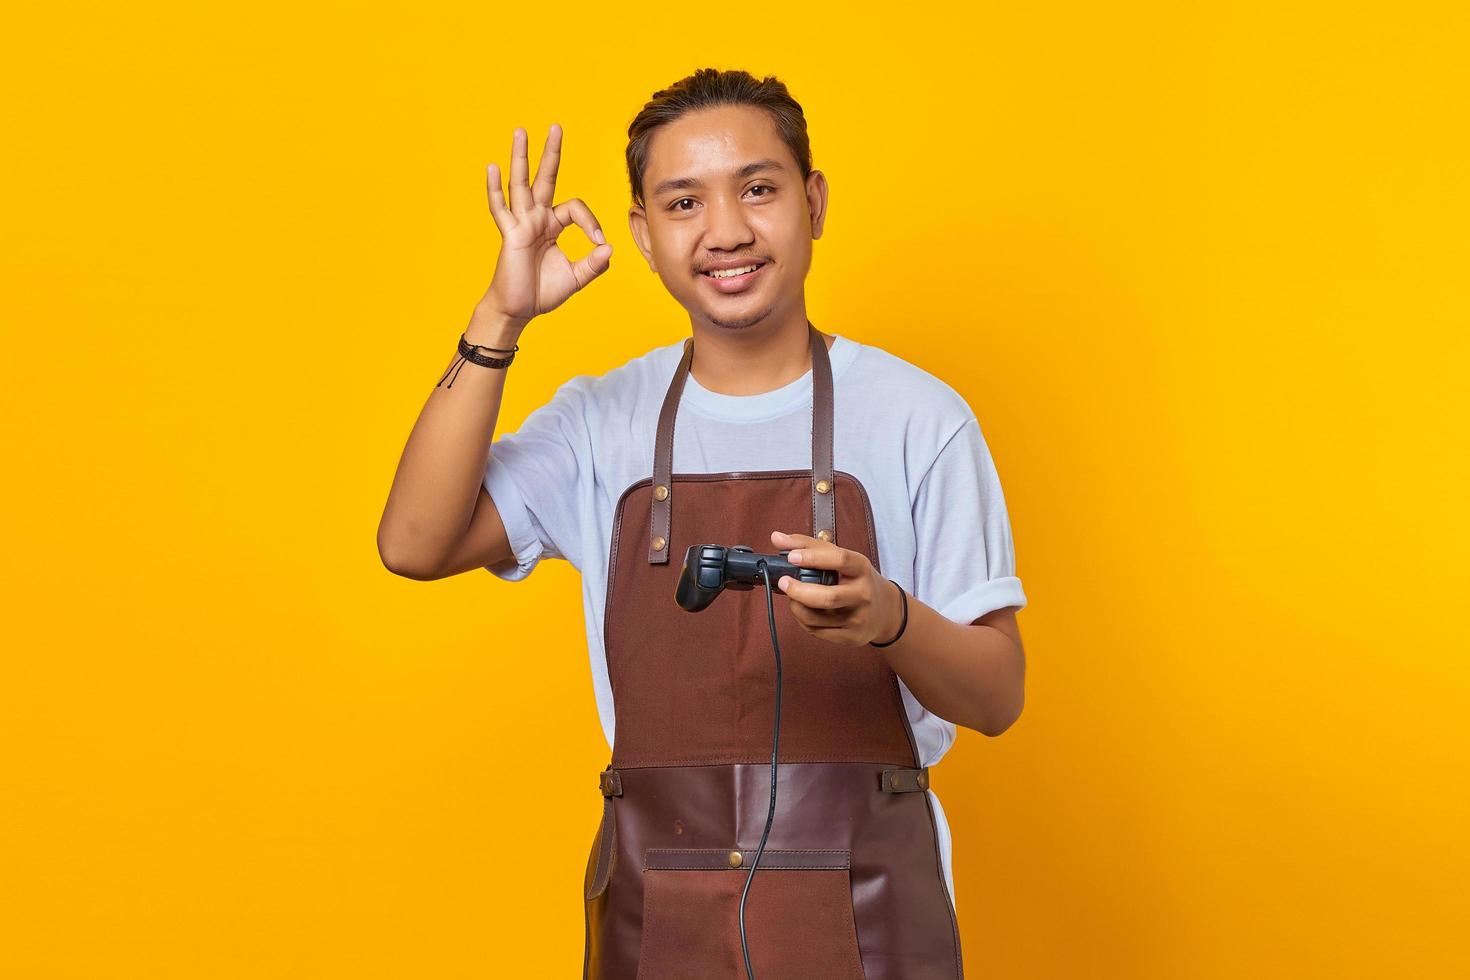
<point x="543" y="190"/>
<point x="825" y="554"/>
<point x="575" y="211"/>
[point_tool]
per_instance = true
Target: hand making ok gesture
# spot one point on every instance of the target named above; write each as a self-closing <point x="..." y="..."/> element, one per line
<point x="532" y="275"/>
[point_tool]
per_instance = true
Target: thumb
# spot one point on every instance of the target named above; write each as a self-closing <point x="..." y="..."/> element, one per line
<point x="593" y="264"/>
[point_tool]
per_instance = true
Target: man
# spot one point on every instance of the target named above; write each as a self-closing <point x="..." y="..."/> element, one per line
<point x="788" y="439"/>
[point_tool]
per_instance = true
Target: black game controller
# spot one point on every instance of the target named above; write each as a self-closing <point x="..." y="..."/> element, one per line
<point x="709" y="569"/>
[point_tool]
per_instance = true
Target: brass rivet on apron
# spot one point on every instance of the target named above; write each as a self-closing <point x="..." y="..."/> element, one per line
<point x="658" y="543"/>
<point x="893" y="780"/>
<point x="824" y="534"/>
<point x="660" y="492"/>
<point x="735" y="859"/>
<point x="823" y="486"/>
<point x="923" y="780"/>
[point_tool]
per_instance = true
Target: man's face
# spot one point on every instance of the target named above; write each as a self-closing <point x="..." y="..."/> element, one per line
<point x="722" y="189"/>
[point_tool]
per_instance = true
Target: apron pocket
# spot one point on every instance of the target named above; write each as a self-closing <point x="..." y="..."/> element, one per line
<point x="798" y="916"/>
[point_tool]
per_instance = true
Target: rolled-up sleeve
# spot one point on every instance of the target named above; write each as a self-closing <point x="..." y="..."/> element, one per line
<point x="964" y="559"/>
<point x="535" y="477"/>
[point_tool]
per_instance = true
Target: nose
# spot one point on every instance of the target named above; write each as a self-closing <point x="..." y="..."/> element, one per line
<point x="726" y="229"/>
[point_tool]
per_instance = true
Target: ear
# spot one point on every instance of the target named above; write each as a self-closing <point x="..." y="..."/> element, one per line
<point x="638" y="226"/>
<point x="816" y="200"/>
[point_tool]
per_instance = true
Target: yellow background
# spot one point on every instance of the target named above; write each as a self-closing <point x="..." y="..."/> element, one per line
<point x="1200" y="272"/>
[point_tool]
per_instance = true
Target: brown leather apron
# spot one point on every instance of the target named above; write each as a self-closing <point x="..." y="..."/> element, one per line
<point x="850" y="884"/>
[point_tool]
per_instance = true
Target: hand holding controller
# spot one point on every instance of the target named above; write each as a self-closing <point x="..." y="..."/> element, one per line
<point x="711" y="568"/>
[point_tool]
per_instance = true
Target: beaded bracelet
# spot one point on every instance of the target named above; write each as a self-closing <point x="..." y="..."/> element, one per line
<point x="471" y="352"/>
<point x="903" y="596"/>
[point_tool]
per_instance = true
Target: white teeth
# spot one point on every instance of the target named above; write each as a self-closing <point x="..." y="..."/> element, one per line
<point x="727" y="273"/>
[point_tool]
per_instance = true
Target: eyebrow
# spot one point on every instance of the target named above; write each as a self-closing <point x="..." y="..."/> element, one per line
<point x="682" y="183"/>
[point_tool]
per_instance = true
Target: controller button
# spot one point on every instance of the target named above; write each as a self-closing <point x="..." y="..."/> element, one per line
<point x="824" y="534"/>
<point x="659" y="542"/>
<point x="735" y="859"/>
<point x="823" y="486"/>
<point x="660" y="492"/>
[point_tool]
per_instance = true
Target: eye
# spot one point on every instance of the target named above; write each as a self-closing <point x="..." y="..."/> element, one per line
<point x="766" y="186"/>
<point x="675" y="205"/>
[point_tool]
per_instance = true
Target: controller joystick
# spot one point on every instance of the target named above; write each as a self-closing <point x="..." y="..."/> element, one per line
<point x="709" y="569"/>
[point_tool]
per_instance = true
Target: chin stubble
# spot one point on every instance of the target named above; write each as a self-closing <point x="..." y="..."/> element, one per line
<point x="743" y="322"/>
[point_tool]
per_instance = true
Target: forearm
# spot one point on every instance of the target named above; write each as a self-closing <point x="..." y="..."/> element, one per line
<point x="439" y="474"/>
<point x="970" y="674"/>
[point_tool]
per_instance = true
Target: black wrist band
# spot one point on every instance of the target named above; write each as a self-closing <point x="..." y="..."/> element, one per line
<point x="471" y="352"/>
<point x="903" y="625"/>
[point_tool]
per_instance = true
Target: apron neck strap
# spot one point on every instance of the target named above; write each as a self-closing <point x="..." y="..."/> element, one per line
<point x="824" y="487"/>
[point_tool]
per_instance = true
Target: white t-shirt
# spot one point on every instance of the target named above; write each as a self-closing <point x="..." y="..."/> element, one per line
<point x="940" y="518"/>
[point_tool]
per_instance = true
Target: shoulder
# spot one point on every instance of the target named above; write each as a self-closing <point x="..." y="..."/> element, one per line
<point x="634" y="378"/>
<point x="623" y="387"/>
<point x="930" y="408"/>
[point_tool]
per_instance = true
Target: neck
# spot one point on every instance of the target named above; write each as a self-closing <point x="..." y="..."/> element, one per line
<point x="757" y="359"/>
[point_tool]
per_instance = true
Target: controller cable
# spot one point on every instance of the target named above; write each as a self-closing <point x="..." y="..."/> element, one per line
<point x="775" y="748"/>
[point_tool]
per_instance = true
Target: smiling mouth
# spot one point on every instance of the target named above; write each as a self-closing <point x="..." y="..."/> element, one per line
<point x="732" y="273"/>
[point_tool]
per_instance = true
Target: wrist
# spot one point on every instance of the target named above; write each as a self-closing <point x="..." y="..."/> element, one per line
<point x="491" y="328"/>
<point x="896" y="621"/>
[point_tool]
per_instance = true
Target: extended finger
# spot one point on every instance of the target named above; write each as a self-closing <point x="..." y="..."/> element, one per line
<point x="575" y="211"/>
<point x="818" y="554"/>
<point x="545" y="185"/>
<point x="786" y="539"/>
<point x="824" y="554"/>
<point x="503" y="218"/>
<point x="520" y="190"/>
<point x="803" y="543"/>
